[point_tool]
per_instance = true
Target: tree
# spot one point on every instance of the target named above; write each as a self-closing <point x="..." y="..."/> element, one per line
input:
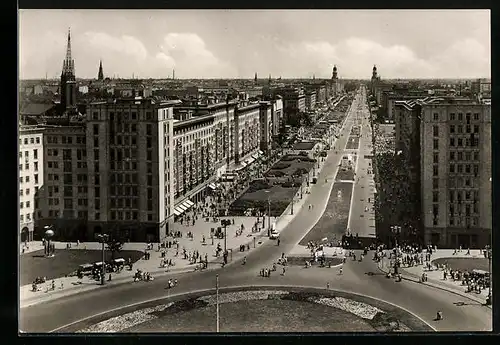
<point x="114" y="245"/>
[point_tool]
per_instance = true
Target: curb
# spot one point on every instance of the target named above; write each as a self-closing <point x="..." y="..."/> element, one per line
<point x="120" y="280"/>
<point x="411" y="277"/>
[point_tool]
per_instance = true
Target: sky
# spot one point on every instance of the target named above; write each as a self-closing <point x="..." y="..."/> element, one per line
<point x="238" y="44"/>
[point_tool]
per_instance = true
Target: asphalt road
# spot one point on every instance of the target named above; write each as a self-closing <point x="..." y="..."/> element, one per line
<point x="421" y="300"/>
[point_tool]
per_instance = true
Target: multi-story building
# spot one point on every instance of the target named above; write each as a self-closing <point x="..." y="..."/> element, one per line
<point x="310" y="97"/>
<point x="294" y="102"/>
<point x="455" y="143"/>
<point x="246" y="130"/>
<point x="193" y="156"/>
<point x="62" y="201"/>
<point x="266" y="126"/>
<point x="30" y="177"/>
<point x="130" y="171"/>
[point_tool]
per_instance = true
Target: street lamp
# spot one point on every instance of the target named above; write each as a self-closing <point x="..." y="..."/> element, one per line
<point x="49" y="233"/>
<point x="488" y="253"/>
<point x="103" y="238"/>
<point x="217" y="300"/>
<point x="268" y="213"/>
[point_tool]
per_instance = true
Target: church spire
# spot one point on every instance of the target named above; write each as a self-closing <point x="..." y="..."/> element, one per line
<point x="255" y="79"/>
<point x="69" y="63"/>
<point x="100" y="76"/>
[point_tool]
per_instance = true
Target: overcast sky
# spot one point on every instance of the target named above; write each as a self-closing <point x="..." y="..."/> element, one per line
<point x="236" y="44"/>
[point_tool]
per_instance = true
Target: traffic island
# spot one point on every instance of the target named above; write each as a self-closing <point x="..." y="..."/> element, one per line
<point x="333" y="222"/>
<point x="260" y="309"/>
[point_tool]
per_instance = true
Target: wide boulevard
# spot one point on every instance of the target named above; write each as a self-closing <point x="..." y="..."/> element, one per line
<point x="421" y="300"/>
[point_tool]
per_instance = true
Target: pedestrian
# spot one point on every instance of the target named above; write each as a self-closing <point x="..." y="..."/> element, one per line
<point x="278" y="241"/>
<point x="340" y="270"/>
<point x="283" y="271"/>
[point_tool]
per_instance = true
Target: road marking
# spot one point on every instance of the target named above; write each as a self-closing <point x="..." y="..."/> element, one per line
<point x="237" y="287"/>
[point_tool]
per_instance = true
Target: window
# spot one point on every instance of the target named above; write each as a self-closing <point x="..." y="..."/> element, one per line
<point x="452" y="116"/>
<point x="435" y="158"/>
<point x="35" y="154"/>
<point x="460" y="117"/>
<point x="97" y="216"/>
<point x="476" y="116"/>
<point x="451" y="197"/>
<point x="25" y="141"/>
<point x="21" y="218"/>
<point x="96" y="154"/>
<point x="460" y="142"/>
<point x="20" y="192"/>
<point x="27" y="179"/>
<point x="435" y="131"/>
<point x="452" y="168"/>
<point x="435" y="170"/>
<point x="467" y="156"/>
<point x="26" y="154"/>
<point x="436" y="116"/>
<point x="21" y="205"/>
<point x="467" y="129"/>
<point x="38" y="140"/>
<point x="476" y="128"/>
<point x="459" y="168"/>
<point x="460" y="129"/>
<point x="96" y="142"/>
<point x="435" y="183"/>
<point x="452" y="141"/>
<point x="452" y="128"/>
<point x="95" y="115"/>
<point x="467" y="168"/>
<point x="435" y="144"/>
<point x="476" y="155"/>
<point x="27" y="191"/>
<point x="452" y="155"/>
<point x="148" y="129"/>
<point x="435" y="196"/>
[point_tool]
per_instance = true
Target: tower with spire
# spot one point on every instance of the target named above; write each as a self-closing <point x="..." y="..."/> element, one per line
<point x="255" y="78"/>
<point x="334" y="72"/>
<point x="68" y="81"/>
<point x="374" y="73"/>
<point x="100" y="75"/>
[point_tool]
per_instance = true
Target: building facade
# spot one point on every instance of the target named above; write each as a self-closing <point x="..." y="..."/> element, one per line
<point x="246" y="130"/>
<point x="31" y="178"/>
<point x="456" y="173"/>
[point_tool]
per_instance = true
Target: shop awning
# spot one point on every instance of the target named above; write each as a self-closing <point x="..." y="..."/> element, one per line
<point x="177" y="212"/>
<point x="212" y="186"/>
<point x="181" y="208"/>
<point x="187" y="204"/>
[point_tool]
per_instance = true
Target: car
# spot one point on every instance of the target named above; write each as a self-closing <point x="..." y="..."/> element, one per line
<point x="274" y="235"/>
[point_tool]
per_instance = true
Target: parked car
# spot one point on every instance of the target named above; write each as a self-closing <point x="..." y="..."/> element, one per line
<point x="274" y="235"/>
<point x="85" y="270"/>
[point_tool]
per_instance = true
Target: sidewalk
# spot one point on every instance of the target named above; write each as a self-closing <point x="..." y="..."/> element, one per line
<point x="435" y="277"/>
<point x="73" y="285"/>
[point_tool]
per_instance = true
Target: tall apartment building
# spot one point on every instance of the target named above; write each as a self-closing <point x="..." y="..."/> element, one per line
<point x="456" y="173"/>
<point x="130" y="171"/>
<point x="310" y="99"/>
<point x="62" y="201"/>
<point x="31" y="179"/>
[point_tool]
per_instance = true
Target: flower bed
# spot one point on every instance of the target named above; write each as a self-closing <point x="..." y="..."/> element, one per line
<point x="389" y="320"/>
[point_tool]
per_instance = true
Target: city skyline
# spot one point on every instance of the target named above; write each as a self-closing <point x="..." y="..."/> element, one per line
<point x="199" y="44"/>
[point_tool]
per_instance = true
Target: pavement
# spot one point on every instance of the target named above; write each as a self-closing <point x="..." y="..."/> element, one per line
<point x="435" y="276"/>
<point x="358" y="277"/>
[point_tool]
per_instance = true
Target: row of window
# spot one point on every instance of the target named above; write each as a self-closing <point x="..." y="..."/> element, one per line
<point x="464" y="168"/>
<point x="26" y="179"/>
<point x="464" y="156"/>
<point x="54" y="139"/>
<point x="124" y="202"/>
<point x="26" y="192"/>
<point x="458" y="116"/>
<point x="27" y="154"/>
<point x="459" y="182"/>
<point x="125" y="140"/>
<point x="463" y="221"/>
<point x="131" y="178"/>
<point x="460" y="129"/>
<point x="28" y="217"/>
<point x="464" y="142"/>
<point x="27" y="166"/>
<point x="456" y="209"/>
<point x="463" y="195"/>
<point x="22" y="204"/>
<point x="31" y="141"/>
<point x="131" y="191"/>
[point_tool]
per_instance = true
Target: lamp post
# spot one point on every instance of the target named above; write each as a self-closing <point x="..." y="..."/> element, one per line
<point x="489" y="257"/>
<point x="49" y="233"/>
<point x="103" y="238"/>
<point x="291" y="210"/>
<point x="396" y="230"/>
<point x="268" y="213"/>
<point x="217" y="300"/>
